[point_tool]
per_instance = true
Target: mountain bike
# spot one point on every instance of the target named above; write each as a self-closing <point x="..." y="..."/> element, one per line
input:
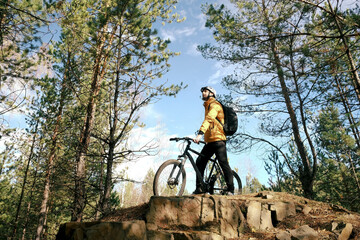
<point x="170" y="178"/>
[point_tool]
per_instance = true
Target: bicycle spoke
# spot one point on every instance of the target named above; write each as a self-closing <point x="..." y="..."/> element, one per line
<point x="169" y="179"/>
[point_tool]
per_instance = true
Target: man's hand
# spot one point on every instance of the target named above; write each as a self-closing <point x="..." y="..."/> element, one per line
<point x="198" y="138"/>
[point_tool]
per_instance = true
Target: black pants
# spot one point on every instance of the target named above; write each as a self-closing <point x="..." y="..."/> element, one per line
<point x="219" y="148"/>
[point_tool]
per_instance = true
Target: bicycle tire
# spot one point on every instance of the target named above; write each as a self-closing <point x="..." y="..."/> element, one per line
<point x="218" y="187"/>
<point x="164" y="184"/>
<point x="237" y="184"/>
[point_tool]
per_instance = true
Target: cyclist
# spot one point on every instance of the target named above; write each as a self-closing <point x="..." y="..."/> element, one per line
<point x="215" y="139"/>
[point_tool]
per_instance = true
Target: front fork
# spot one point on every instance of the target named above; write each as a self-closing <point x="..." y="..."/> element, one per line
<point x="175" y="181"/>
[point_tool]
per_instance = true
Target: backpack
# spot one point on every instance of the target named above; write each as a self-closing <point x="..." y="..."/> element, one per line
<point x="230" y="120"/>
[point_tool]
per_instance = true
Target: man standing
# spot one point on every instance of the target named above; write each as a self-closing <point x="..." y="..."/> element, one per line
<point x="215" y="139"/>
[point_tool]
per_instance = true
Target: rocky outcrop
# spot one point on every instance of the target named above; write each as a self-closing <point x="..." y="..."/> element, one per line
<point x="266" y="215"/>
<point x="134" y="230"/>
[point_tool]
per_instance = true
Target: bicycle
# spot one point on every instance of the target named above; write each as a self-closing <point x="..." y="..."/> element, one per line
<point x="170" y="178"/>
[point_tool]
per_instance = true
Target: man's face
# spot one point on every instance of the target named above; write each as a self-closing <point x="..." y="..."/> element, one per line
<point x="205" y="94"/>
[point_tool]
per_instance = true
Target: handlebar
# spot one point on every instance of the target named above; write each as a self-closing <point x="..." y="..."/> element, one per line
<point x="189" y="140"/>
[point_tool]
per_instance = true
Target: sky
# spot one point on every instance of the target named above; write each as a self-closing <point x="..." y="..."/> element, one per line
<point x="183" y="115"/>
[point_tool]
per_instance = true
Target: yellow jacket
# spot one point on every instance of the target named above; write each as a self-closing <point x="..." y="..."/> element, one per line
<point x="211" y="127"/>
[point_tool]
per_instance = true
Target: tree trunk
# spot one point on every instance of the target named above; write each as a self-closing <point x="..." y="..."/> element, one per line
<point x="45" y="229"/>
<point x="108" y="180"/>
<point x="353" y="69"/>
<point x="28" y="208"/>
<point x="50" y="163"/>
<point x="114" y="139"/>
<point x="306" y="177"/>
<point x="348" y="111"/>
<point x="2" y="21"/>
<point x="31" y="197"/>
<point x="113" y="121"/>
<point x="312" y="172"/>
<point x="353" y="171"/>
<point x="80" y="176"/>
<point x="24" y="181"/>
<point x="101" y="187"/>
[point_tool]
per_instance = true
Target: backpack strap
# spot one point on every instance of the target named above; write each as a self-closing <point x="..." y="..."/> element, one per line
<point x="216" y="117"/>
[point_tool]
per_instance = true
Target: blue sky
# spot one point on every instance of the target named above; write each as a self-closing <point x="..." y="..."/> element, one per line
<point x="182" y="115"/>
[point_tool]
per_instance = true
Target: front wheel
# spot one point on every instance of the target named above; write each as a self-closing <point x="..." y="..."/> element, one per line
<point x="170" y="179"/>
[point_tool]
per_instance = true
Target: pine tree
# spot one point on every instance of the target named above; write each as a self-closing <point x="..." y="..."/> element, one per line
<point x="279" y="46"/>
<point x="339" y="161"/>
<point x="255" y="36"/>
<point x="20" y="22"/>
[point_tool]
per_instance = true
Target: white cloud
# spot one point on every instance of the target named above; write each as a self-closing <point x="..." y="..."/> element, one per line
<point x="201" y="21"/>
<point x="173" y="35"/>
<point x="221" y="71"/>
<point x="15" y="92"/>
<point x="216" y="77"/>
<point x="186" y="31"/>
<point x="139" y="139"/>
<point x="167" y="35"/>
<point x="183" y="14"/>
<point x="15" y="139"/>
<point x="44" y="70"/>
<point x="192" y="50"/>
<point x="149" y="112"/>
<point x="347" y="4"/>
<point x="137" y="169"/>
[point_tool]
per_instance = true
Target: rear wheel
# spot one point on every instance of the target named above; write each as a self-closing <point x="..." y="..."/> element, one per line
<point x="169" y="179"/>
<point x="218" y="184"/>
<point x="237" y="184"/>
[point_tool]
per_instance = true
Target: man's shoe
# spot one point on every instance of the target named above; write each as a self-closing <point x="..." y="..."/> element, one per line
<point x="198" y="191"/>
<point x="229" y="193"/>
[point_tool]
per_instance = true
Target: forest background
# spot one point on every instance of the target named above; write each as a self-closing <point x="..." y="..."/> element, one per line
<point x="94" y="81"/>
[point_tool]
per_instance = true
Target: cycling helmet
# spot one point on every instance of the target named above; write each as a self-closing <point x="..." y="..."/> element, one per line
<point x="210" y="89"/>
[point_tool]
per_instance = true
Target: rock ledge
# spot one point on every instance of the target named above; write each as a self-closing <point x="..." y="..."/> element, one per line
<point x="266" y="215"/>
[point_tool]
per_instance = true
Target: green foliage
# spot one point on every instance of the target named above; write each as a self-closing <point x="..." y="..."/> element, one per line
<point x="332" y="134"/>
<point x="276" y="169"/>
<point x="338" y="180"/>
<point x="290" y="64"/>
<point x="19" y="40"/>
<point x="252" y="185"/>
<point x="133" y="194"/>
<point x="281" y="178"/>
<point x="114" y="41"/>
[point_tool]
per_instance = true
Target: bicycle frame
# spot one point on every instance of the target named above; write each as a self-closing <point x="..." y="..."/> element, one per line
<point x="186" y="154"/>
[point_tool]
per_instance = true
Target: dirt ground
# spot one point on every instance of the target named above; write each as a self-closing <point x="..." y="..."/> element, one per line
<point x="127" y="214"/>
